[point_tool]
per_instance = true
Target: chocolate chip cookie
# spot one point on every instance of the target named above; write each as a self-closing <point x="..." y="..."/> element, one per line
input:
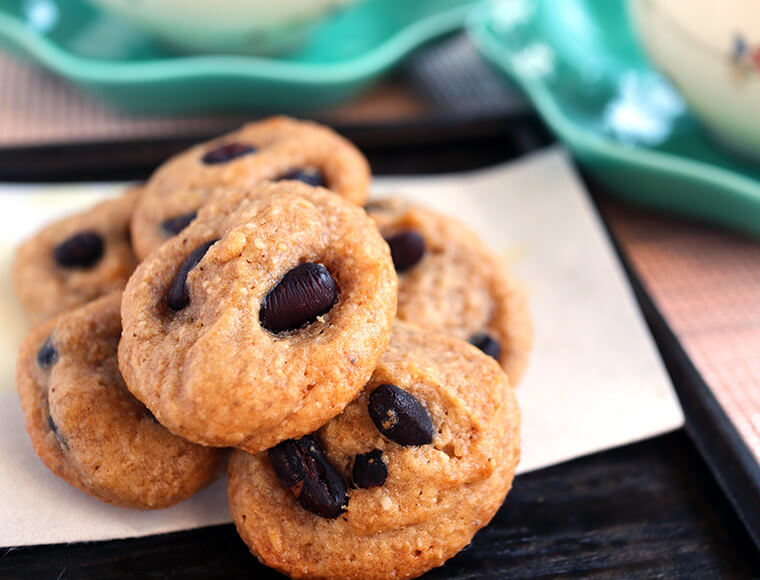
<point x="88" y="429"/>
<point x="262" y="320"/>
<point x="76" y="259"/>
<point x="275" y="149"/>
<point x="396" y="484"/>
<point x="451" y="282"/>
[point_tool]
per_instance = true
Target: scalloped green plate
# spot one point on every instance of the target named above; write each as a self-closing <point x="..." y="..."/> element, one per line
<point x="120" y="65"/>
<point x="579" y="63"/>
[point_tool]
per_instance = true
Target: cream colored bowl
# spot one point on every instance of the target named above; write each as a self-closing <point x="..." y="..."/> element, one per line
<point x="243" y="26"/>
<point x="710" y="50"/>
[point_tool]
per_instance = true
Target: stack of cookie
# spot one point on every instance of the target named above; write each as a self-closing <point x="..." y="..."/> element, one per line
<point x="353" y="356"/>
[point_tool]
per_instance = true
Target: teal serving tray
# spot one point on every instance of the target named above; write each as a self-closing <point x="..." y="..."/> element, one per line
<point x="579" y="63"/>
<point x="120" y="65"/>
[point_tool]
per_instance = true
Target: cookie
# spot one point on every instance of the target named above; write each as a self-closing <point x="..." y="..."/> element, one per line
<point x="275" y="149"/>
<point x="76" y="259"/>
<point x="262" y="320"/>
<point x="451" y="282"/>
<point x="86" y="426"/>
<point x="396" y="484"/>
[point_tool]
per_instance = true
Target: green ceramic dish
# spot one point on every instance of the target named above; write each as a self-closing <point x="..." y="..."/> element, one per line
<point x="580" y="65"/>
<point x="122" y="66"/>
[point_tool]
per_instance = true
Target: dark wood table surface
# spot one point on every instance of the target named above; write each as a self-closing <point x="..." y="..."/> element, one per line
<point x="649" y="509"/>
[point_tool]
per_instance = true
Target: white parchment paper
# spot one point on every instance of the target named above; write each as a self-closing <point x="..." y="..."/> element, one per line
<point x="595" y="380"/>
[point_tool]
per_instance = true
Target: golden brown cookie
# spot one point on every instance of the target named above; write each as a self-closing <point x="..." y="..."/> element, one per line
<point x="76" y="259"/>
<point x="88" y="429"/>
<point x="262" y="320"/>
<point x="275" y="149"/>
<point x="396" y="484"/>
<point x="451" y="282"/>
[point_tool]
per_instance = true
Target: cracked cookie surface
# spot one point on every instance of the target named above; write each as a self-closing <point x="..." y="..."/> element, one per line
<point x="76" y="259"/>
<point x="451" y="282"/>
<point x="262" y="320"/>
<point x="274" y="149"/>
<point x="413" y="495"/>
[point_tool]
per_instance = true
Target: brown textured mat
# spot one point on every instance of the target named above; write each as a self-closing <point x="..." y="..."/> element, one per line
<point x="707" y="285"/>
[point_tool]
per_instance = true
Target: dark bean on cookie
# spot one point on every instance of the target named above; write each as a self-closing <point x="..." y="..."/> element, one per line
<point x="82" y="250"/>
<point x="487" y="344"/>
<point x="47" y="355"/>
<point x="54" y="429"/>
<point x="303" y="294"/>
<point x="178" y="296"/>
<point x="400" y="416"/>
<point x="301" y="466"/>
<point x="227" y="152"/>
<point x="369" y="469"/>
<point x="178" y="223"/>
<point x="407" y="248"/>
<point x="308" y="175"/>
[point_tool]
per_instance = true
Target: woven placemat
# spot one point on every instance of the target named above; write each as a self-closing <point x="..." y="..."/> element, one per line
<point x="706" y="283"/>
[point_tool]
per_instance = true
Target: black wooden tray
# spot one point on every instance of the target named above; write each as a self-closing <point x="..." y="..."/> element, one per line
<point x="665" y="507"/>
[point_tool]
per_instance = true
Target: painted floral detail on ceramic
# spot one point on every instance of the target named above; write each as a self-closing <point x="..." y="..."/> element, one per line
<point x="745" y="56"/>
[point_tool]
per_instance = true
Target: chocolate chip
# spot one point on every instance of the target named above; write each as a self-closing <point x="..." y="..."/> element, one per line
<point x="407" y="248"/>
<point x="486" y="343"/>
<point x="82" y="250"/>
<point x="369" y="469"/>
<point x="47" y="355"/>
<point x="178" y="296"/>
<point x="400" y="416"/>
<point x="301" y="466"/>
<point x="308" y="175"/>
<point x="304" y="293"/>
<point x="227" y="152"/>
<point x="176" y="224"/>
<point x="54" y="429"/>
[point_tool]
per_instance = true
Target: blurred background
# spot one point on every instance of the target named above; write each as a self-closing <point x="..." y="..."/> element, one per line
<point x="655" y="99"/>
<point x="100" y="72"/>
